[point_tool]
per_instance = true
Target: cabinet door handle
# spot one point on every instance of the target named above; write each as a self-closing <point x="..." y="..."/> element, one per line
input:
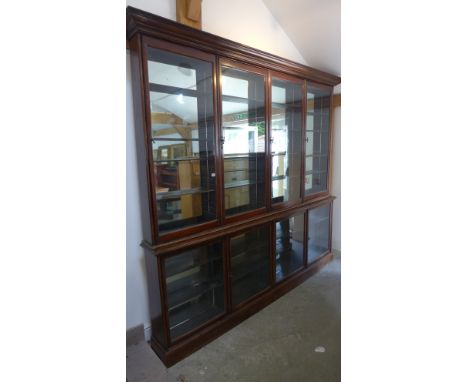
<point x="307" y="139"/>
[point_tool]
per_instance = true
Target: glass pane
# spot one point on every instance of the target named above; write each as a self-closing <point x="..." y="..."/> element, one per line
<point x="289" y="246"/>
<point x="243" y="110"/>
<point x="319" y="232"/>
<point x="181" y="101"/>
<point x="286" y="125"/>
<point x="250" y="264"/>
<point x="195" y="288"/>
<point x="317" y="140"/>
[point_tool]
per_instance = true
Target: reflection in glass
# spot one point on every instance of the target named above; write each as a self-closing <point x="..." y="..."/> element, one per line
<point x="317" y="140"/>
<point x="243" y="110"/>
<point x="319" y="232"/>
<point x="195" y="287"/>
<point x="181" y="100"/>
<point x="286" y="124"/>
<point x="289" y="246"/>
<point x="250" y="264"/>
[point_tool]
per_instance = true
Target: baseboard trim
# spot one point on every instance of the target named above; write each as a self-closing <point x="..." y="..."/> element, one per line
<point x="135" y="335"/>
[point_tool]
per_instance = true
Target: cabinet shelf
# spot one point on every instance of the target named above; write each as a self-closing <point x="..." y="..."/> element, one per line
<point x="326" y="130"/>
<point x="154" y="139"/>
<point x="176" y="160"/>
<point x="177" y="194"/>
<point x="239" y="183"/>
<point x="280" y="105"/>
<point x="315" y="172"/>
<point x="251" y="251"/>
<point x="317" y="155"/>
<point x="191" y="293"/>
<point x="192" y="317"/>
<point x="320" y="220"/>
<point x="179" y="265"/>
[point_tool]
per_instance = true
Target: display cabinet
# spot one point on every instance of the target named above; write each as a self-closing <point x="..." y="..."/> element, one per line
<point x="286" y="139"/>
<point x="233" y="150"/>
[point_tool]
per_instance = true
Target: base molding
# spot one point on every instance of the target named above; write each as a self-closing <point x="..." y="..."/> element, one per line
<point x="135" y="335"/>
<point x="185" y="347"/>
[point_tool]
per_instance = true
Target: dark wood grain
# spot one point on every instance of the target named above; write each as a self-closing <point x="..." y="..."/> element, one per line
<point x="145" y="30"/>
<point x="139" y="21"/>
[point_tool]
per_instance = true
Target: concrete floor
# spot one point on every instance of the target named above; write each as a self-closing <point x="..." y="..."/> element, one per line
<point x="276" y="344"/>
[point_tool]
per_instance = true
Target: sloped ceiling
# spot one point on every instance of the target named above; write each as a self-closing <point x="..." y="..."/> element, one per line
<point x="314" y="26"/>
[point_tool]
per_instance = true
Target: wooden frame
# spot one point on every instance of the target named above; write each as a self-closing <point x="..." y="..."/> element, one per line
<point x="223" y="62"/>
<point x="298" y="81"/>
<point x="330" y="141"/>
<point x="146" y="30"/>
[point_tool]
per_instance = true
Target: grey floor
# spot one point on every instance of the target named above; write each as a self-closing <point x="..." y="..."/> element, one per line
<point x="276" y="344"/>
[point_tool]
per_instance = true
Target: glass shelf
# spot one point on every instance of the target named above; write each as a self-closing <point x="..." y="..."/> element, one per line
<point x="179" y="193"/>
<point x="194" y="287"/>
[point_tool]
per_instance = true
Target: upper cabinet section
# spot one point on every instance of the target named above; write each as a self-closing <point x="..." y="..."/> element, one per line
<point x="226" y="134"/>
<point x="182" y="138"/>
<point x="243" y="139"/>
<point x="317" y="139"/>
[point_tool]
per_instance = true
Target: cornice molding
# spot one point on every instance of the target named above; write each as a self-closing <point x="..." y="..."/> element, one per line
<point x="151" y="25"/>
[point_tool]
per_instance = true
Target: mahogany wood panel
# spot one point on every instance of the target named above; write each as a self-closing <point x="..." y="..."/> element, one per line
<point x="160" y="27"/>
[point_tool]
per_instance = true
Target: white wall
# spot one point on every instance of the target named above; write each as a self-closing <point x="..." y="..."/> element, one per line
<point x="336" y="178"/>
<point x="137" y="307"/>
<point x="245" y="21"/>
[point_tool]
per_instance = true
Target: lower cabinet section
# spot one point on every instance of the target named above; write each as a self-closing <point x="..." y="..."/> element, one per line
<point x="208" y="288"/>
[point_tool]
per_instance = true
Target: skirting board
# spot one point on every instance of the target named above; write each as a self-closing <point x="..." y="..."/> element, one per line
<point x="135" y="335"/>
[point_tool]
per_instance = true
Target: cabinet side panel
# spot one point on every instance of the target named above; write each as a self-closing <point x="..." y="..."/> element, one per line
<point x="154" y="295"/>
<point x="146" y="204"/>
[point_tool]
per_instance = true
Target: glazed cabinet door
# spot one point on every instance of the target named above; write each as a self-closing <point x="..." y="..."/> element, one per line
<point x="182" y="135"/>
<point x="318" y="232"/>
<point x="194" y="288"/>
<point x="317" y="140"/>
<point x="286" y="140"/>
<point x="243" y="138"/>
<point x="289" y="246"/>
<point x="250" y="265"/>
